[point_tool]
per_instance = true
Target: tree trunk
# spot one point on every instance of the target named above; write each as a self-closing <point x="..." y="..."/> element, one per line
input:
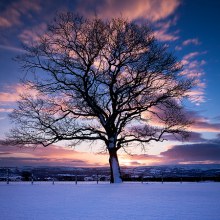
<point x="114" y="166"/>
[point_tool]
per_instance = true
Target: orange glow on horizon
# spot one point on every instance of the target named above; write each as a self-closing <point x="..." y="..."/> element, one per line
<point x="63" y="156"/>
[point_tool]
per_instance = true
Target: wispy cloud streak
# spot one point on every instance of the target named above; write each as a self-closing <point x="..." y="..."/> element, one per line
<point x="14" y="11"/>
<point x="193" y="69"/>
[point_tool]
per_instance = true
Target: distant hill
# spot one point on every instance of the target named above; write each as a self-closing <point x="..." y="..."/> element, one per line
<point x="192" y="172"/>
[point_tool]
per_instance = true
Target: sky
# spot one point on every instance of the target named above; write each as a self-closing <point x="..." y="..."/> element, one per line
<point x="190" y="31"/>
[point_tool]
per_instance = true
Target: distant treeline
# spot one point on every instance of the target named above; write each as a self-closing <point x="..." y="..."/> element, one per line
<point x="173" y="179"/>
<point x="125" y="179"/>
<point x="191" y="173"/>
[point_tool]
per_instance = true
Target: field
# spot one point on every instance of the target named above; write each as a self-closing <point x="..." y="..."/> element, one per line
<point x="67" y="201"/>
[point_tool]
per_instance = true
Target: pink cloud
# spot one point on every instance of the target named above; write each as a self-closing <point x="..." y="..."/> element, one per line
<point x="8" y="97"/>
<point x="202" y="124"/>
<point x="196" y="96"/>
<point x="4" y="22"/>
<point x="52" y="155"/>
<point x="162" y="31"/>
<point x="190" y="55"/>
<point x="12" y="93"/>
<point x="205" y="126"/>
<point x="14" y="11"/>
<point x="147" y="9"/>
<point x="193" y="41"/>
<point x="6" y="110"/>
<point x="163" y="35"/>
<point x="31" y="35"/>
<point x="199" y="123"/>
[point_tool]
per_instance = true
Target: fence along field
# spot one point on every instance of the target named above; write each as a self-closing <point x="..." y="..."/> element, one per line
<point x="102" y="175"/>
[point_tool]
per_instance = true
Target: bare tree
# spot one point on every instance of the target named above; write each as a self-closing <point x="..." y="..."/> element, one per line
<point x="100" y="80"/>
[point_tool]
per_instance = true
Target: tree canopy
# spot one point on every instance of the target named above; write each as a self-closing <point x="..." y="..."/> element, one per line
<point x="95" y="79"/>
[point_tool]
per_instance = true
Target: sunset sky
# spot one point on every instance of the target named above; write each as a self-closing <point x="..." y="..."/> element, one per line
<point x="190" y="29"/>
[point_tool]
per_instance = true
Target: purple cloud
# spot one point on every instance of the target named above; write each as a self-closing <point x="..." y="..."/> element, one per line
<point x="30" y="161"/>
<point x="194" y="153"/>
<point x="202" y="124"/>
<point x="193" y="137"/>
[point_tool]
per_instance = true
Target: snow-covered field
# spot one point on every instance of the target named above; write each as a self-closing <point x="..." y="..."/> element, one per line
<point x="67" y="201"/>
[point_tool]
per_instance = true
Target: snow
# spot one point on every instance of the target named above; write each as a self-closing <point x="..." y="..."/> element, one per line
<point x="115" y="168"/>
<point x="67" y="201"/>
